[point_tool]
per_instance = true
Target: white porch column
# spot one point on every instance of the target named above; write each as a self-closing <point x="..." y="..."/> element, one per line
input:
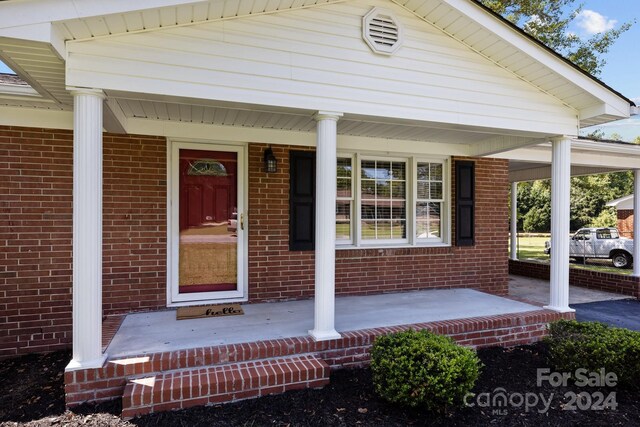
<point x="324" y="318"/>
<point x="636" y="222"/>
<point x="560" y="211"/>
<point x="87" y="229"/>
<point x="514" y="221"/>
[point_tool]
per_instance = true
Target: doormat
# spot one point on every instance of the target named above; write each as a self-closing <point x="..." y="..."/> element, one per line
<point x="208" y="311"/>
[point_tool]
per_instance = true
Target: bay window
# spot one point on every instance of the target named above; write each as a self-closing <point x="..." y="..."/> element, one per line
<point x="391" y="201"/>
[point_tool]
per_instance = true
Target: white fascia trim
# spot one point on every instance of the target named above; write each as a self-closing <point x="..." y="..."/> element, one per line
<point x="518" y="41"/>
<point x="36" y="117"/>
<point x="19" y="91"/>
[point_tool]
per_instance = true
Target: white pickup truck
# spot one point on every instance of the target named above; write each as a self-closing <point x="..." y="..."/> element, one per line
<point x="604" y="243"/>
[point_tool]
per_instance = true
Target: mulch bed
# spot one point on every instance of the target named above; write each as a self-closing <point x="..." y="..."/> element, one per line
<point x="32" y="394"/>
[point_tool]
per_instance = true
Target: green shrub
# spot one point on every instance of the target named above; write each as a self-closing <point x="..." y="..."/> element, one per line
<point x="594" y="345"/>
<point x="419" y="368"/>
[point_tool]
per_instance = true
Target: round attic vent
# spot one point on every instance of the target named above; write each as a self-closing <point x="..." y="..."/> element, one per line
<point x="382" y="31"/>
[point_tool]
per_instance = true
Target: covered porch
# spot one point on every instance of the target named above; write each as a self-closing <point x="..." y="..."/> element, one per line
<point x="159" y="363"/>
<point x="143" y="333"/>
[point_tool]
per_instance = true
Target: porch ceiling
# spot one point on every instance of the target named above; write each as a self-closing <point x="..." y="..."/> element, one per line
<point x="587" y="158"/>
<point x="140" y="109"/>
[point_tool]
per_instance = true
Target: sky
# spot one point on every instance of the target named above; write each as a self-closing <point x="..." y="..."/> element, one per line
<point x="622" y="71"/>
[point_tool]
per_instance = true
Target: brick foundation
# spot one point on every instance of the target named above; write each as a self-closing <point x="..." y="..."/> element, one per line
<point x="351" y="350"/>
<point x="597" y="280"/>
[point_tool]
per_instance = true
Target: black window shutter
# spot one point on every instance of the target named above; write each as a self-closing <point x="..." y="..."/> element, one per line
<point x="465" y="201"/>
<point x="302" y="192"/>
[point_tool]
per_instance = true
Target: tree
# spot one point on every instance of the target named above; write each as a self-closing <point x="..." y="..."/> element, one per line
<point x="589" y="197"/>
<point x="549" y="21"/>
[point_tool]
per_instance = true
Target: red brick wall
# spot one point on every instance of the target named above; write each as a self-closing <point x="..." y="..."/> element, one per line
<point x="36" y="231"/>
<point x="35" y="226"/>
<point x="625" y="223"/>
<point x="585" y="278"/>
<point x="134" y="223"/>
<point x="277" y="273"/>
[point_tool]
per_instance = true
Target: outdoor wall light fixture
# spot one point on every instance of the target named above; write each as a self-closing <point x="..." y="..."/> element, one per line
<point x="270" y="161"/>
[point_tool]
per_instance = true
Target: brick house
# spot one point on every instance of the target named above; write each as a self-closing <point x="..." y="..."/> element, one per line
<point x="163" y="154"/>
<point x="624" y="213"/>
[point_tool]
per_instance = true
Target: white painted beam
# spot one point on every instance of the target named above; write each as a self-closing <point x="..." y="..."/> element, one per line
<point x="199" y="131"/>
<point x="501" y="144"/>
<point x="325" y="259"/>
<point x="544" y="172"/>
<point x="87" y="230"/>
<point x="514" y="221"/>
<point x="114" y="119"/>
<point x="560" y="209"/>
<point x="636" y="222"/>
<point x="36" y="117"/>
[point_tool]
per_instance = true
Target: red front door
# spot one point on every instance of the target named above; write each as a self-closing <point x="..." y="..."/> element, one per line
<point x="208" y="221"/>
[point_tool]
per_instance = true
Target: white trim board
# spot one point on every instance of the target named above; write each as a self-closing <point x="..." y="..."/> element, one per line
<point x="173" y="298"/>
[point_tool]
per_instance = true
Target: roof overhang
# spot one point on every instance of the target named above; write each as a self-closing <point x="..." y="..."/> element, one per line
<point x="623" y="203"/>
<point x="588" y="157"/>
<point x="46" y="25"/>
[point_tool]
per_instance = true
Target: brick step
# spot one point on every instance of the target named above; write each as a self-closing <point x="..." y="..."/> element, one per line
<point x="148" y="364"/>
<point x="224" y="383"/>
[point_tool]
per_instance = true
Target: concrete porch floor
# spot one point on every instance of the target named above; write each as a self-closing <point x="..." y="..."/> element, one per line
<point x="159" y="331"/>
<point x="537" y="290"/>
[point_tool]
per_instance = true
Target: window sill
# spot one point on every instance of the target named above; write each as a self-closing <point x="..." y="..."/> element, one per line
<point x="394" y="246"/>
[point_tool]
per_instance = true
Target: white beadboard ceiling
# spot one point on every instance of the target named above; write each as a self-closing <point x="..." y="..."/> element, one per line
<point x="296" y="121"/>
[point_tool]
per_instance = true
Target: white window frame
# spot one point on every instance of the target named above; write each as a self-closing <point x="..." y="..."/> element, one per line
<point x="340" y="242"/>
<point x="411" y="190"/>
<point x="444" y="210"/>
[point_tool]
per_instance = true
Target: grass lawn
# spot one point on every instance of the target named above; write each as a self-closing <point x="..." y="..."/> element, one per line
<point x="532" y="248"/>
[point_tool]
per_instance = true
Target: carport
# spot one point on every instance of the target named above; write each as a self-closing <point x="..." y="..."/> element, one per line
<point x="587" y="157"/>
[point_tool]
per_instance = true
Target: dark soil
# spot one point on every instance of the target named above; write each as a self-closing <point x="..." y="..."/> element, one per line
<point x="32" y="394"/>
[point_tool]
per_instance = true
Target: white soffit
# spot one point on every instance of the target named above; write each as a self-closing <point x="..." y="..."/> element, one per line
<point x="39" y="65"/>
<point x="183" y="14"/>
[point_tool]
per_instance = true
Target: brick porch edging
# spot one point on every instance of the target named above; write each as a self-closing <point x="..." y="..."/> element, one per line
<point x="225" y="383"/>
<point x="350" y="350"/>
<point x="584" y="278"/>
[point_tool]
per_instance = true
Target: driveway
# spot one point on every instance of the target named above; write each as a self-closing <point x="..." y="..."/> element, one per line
<point x="590" y="305"/>
<point x="537" y="290"/>
<point x="623" y="313"/>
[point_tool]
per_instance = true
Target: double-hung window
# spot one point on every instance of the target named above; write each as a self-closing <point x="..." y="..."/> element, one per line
<point x="398" y="201"/>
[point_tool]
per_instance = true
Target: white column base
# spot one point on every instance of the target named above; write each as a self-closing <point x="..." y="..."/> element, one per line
<point x="324" y="335"/>
<point x="75" y="365"/>
<point x="566" y="309"/>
